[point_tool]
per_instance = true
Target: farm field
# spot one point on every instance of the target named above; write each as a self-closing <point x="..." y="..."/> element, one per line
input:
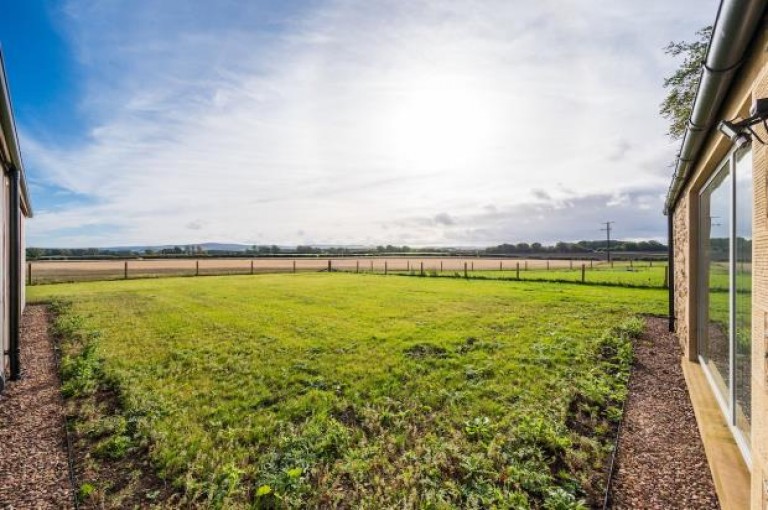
<point x="320" y="389"/>
<point x="640" y="273"/>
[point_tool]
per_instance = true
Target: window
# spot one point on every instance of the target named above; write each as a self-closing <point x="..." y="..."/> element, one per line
<point x="725" y="283"/>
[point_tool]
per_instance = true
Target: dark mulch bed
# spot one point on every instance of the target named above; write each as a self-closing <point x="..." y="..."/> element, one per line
<point x="660" y="461"/>
<point x="34" y="471"/>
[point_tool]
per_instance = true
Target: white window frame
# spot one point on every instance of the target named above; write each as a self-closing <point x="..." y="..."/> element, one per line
<point x="728" y="408"/>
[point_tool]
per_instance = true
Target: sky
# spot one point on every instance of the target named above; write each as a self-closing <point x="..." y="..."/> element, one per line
<point x="458" y="122"/>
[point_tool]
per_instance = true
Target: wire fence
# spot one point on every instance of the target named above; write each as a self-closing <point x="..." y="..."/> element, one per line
<point x="652" y="274"/>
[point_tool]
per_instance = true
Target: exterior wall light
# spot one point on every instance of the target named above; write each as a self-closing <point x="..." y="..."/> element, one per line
<point x="742" y="129"/>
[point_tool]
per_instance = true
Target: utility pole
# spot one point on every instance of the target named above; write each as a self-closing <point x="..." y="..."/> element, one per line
<point x="608" y="237"/>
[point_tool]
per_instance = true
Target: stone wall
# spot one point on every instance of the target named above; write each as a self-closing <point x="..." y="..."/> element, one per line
<point x="681" y="235"/>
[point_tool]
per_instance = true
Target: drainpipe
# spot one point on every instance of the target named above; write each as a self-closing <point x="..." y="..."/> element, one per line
<point x="671" y="271"/>
<point x="14" y="272"/>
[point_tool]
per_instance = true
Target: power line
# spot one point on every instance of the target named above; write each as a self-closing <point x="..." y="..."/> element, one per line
<point x="608" y="237"/>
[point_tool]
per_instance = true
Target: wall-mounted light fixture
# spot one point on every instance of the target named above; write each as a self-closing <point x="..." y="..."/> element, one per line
<point x="742" y="129"/>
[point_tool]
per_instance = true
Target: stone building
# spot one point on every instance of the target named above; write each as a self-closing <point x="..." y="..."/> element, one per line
<point x="718" y="222"/>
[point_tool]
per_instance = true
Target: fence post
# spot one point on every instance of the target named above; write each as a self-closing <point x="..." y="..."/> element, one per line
<point x="251" y="266"/>
<point x="526" y="265"/>
<point x="294" y="266"/>
<point x="125" y="270"/>
<point x="583" y="271"/>
<point x="197" y="268"/>
<point x="465" y="270"/>
<point x="473" y="265"/>
<point x="408" y="265"/>
<point x="441" y="266"/>
<point x="591" y="263"/>
<point x="666" y="277"/>
<point x="611" y="264"/>
<point x="501" y="265"/>
<point x="517" y="270"/>
<point x="422" y="268"/>
<point x="329" y="266"/>
<point x="630" y="264"/>
<point x="371" y="265"/>
<point x="570" y="263"/>
<point x="385" y="267"/>
<point x="547" y="264"/>
<point x="357" y="266"/>
<point x="650" y="263"/>
<point x="29" y="273"/>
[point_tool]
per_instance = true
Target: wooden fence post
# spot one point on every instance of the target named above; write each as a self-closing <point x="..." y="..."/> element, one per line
<point x="197" y="268"/>
<point x="371" y="265"/>
<point x="441" y="266"/>
<point x="422" y="268"/>
<point x="251" y="266"/>
<point x="29" y="273"/>
<point x="501" y="265"/>
<point x="591" y="263"/>
<point x="357" y="266"/>
<point x="294" y="266"/>
<point x="526" y="266"/>
<point x="408" y="265"/>
<point x="465" y="271"/>
<point x="547" y="264"/>
<point x="385" y="267"/>
<point x="329" y="266"/>
<point x="125" y="270"/>
<point x="473" y="265"/>
<point x="570" y="263"/>
<point x="630" y="263"/>
<point x="583" y="271"/>
<point x="517" y="270"/>
<point x="650" y="263"/>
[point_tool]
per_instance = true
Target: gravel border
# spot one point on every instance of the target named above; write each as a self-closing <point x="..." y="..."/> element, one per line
<point x="660" y="461"/>
<point x="34" y="470"/>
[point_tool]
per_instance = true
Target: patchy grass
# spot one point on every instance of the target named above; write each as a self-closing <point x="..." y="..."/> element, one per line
<point x="354" y="390"/>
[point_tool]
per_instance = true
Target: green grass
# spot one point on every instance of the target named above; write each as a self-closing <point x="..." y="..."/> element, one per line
<point x="316" y="389"/>
<point x="638" y="274"/>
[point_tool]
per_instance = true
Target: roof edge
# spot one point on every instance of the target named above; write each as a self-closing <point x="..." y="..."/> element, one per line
<point x="8" y="125"/>
<point x="735" y="26"/>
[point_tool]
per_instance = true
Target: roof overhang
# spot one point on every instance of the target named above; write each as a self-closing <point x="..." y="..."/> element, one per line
<point x="735" y="27"/>
<point x="9" y="141"/>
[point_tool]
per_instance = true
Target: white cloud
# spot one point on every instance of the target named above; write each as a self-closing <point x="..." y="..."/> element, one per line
<point x="246" y="123"/>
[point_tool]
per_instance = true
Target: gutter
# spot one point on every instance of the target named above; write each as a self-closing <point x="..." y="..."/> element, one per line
<point x="11" y="139"/>
<point x="735" y="26"/>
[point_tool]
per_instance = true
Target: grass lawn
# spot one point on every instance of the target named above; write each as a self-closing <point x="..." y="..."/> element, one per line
<point x="638" y="274"/>
<point x="355" y="390"/>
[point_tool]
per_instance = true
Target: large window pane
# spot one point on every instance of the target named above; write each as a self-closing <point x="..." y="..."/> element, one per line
<point x="715" y="228"/>
<point x="743" y="301"/>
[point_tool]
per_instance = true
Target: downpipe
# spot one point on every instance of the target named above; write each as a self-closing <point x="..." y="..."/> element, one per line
<point x="14" y="272"/>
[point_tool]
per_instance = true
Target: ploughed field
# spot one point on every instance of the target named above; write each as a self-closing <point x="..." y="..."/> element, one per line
<point x="322" y="390"/>
<point x="638" y="274"/>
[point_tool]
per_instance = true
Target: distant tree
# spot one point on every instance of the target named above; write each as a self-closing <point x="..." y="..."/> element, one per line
<point x="682" y="84"/>
<point x="34" y="253"/>
<point x="523" y="247"/>
<point x="536" y="247"/>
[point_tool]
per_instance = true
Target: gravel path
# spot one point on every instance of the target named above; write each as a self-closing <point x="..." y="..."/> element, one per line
<point x="33" y="456"/>
<point x="661" y="461"/>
